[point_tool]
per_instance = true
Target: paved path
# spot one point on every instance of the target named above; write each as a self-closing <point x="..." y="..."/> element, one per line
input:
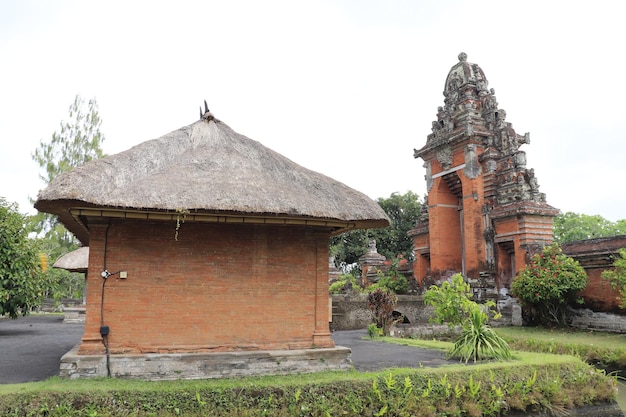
<point x="370" y="355"/>
<point x="31" y="348"/>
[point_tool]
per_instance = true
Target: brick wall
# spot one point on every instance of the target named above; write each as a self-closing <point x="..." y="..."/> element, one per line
<point x="444" y="224"/>
<point x="219" y="287"/>
<point x="597" y="255"/>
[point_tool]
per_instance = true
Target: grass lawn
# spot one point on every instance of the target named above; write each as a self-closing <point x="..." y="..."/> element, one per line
<point x="601" y="349"/>
<point x="565" y="336"/>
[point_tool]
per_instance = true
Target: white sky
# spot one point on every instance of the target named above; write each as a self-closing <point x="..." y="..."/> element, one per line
<point x="346" y="88"/>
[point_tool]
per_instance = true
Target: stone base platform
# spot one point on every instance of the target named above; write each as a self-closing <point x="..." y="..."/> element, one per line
<point x="205" y="365"/>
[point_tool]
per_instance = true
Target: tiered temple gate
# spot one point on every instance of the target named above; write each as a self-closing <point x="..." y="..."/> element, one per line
<point x="485" y="214"/>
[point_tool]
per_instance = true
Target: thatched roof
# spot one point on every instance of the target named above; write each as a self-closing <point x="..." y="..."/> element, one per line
<point x="74" y="261"/>
<point x="205" y="167"/>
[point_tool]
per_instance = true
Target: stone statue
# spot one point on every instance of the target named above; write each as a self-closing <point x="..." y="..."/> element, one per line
<point x="491" y="103"/>
<point x="444" y="156"/>
<point x="520" y="159"/>
<point x="429" y="176"/>
<point x="532" y="180"/>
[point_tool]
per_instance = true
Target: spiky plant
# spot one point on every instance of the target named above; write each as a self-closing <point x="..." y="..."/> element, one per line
<point x="479" y="341"/>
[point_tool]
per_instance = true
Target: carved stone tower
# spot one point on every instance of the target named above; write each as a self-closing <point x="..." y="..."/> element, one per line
<point x="485" y="214"/>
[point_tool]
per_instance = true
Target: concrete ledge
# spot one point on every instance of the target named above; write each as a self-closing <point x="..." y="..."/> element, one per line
<point x="74" y="314"/>
<point x="205" y="365"/>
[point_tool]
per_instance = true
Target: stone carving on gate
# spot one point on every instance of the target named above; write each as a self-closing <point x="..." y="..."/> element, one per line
<point x="472" y="166"/>
<point x="444" y="156"/>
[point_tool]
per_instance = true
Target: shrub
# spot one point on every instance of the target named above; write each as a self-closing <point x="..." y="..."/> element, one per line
<point x="451" y="301"/>
<point x="22" y="280"/>
<point x="453" y="305"/>
<point x="382" y="303"/>
<point x="373" y="331"/>
<point x="617" y="276"/>
<point x="547" y="285"/>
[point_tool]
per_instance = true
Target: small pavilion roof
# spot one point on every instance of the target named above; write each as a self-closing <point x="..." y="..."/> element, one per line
<point x="206" y="168"/>
<point x="74" y="261"/>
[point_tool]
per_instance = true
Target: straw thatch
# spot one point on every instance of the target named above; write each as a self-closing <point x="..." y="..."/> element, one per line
<point x="74" y="261"/>
<point x="205" y="167"/>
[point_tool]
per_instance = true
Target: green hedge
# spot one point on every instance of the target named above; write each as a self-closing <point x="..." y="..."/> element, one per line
<point x="551" y="383"/>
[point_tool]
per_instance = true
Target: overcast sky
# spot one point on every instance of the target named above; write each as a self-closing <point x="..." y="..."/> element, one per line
<point x="346" y="88"/>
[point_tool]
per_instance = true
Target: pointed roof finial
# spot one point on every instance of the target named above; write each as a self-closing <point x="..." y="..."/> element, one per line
<point x="462" y="57"/>
<point x="207" y="116"/>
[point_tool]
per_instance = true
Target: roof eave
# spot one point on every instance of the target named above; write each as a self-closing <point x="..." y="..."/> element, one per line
<point x="76" y="215"/>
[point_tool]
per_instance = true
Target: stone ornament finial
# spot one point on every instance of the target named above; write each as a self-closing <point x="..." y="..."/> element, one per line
<point x="462" y="57"/>
<point x="207" y="116"/>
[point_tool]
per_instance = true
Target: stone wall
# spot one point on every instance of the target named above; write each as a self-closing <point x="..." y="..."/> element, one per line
<point x="350" y="312"/>
<point x="51" y="305"/>
<point x="587" y="319"/>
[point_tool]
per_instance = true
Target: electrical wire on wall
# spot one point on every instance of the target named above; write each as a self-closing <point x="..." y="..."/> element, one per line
<point x="104" y="330"/>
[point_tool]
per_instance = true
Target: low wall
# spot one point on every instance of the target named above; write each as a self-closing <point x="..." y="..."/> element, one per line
<point x="587" y="319"/>
<point x="51" y="305"/>
<point x="350" y="312"/>
<point x="74" y="314"/>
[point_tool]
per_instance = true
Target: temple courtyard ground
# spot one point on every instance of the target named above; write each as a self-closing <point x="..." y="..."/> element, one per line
<point x="32" y="347"/>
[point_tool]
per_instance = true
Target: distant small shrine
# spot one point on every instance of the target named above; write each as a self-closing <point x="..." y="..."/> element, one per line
<point x="371" y="263"/>
<point x="484" y="215"/>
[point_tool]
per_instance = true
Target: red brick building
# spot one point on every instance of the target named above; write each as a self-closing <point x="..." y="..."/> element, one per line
<point x="213" y="243"/>
<point x="485" y="214"/>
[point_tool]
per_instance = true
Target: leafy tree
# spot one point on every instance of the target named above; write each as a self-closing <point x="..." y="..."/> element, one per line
<point x="548" y="284"/>
<point x="22" y="281"/>
<point x="617" y="276"/>
<point x="573" y="226"/>
<point x="79" y="141"/>
<point x="348" y="247"/>
<point x="76" y="143"/>
<point x="620" y="227"/>
<point x="403" y="211"/>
